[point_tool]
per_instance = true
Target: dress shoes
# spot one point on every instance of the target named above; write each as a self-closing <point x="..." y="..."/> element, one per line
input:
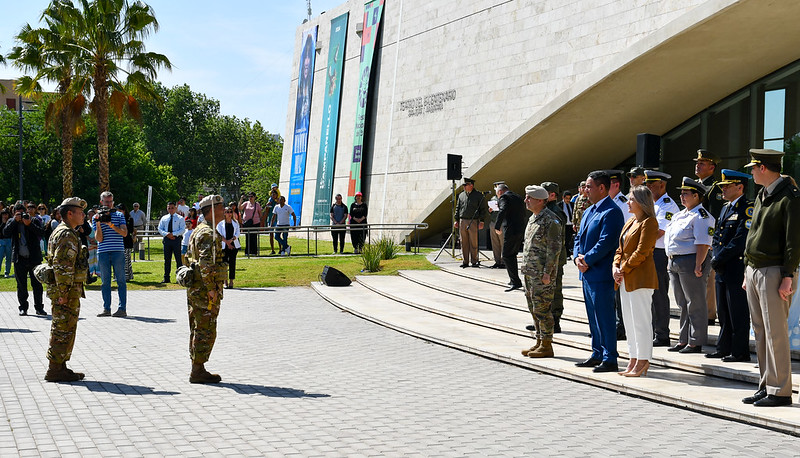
<point x="105" y="313"/>
<point x="464" y="265"/>
<point x="677" y="347"/>
<point x="691" y="349"/>
<point x="711" y="322"/>
<point x="759" y="395"/>
<point x="557" y="328"/>
<point x="476" y="264"/>
<point x="496" y="266"/>
<point x="513" y="287"/>
<point x="772" y="400"/>
<point x="717" y="355"/>
<point x="591" y="362"/>
<point x="41" y="312"/>
<point x="23" y="313"/>
<point x="661" y="342"/>
<point x="736" y="359"/>
<point x="606" y="367"/>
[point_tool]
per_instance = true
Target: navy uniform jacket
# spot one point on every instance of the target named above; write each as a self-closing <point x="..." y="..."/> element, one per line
<point x="729" y="239"/>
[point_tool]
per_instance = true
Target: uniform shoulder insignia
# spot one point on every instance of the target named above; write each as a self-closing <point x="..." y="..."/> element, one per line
<point x="795" y="191"/>
<point x="703" y="213"/>
<point x="748" y="223"/>
<point x="749" y="211"/>
<point x="710" y="231"/>
<point x="668" y="216"/>
<point x="622" y="199"/>
<point x="666" y="200"/>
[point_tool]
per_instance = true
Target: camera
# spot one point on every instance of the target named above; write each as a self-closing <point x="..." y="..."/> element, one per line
<point x="104" y="214"/>
<point x="26" y="216"/>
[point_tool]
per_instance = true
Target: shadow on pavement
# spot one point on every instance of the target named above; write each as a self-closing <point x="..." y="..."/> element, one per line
<point x="147" y="319"/>
<point x="268" y="290"/>
<point x="123" y="388"/>
<point x="24" y="331"/>
<point x="272" y="391"/>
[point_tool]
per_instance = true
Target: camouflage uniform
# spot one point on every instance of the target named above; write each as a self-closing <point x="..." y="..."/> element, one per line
<point x="558" y="292"/>
<point x="70" y="263"/>
<point x="540" y="255"/>
<point x="577" y="213"/>
<point x="209" y="274"/>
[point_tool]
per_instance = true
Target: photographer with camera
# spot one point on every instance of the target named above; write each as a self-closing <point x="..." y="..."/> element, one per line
<point x="110" y="229"/>
<point x="26" y="254"/>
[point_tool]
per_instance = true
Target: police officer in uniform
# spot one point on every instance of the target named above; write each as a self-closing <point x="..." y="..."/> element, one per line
<point x="205" y="293"/>
<point x="470" y="213"/>
<point x="730" y="234"/>
<point x="636" y="176"/>
<point x="666" y="208"/>
<point x="70" y="262"/>
<point x="553" y="192"/>
<point x="772" y="254"/>
<point x="704" y="168"/>
<point x="540" y="262"/>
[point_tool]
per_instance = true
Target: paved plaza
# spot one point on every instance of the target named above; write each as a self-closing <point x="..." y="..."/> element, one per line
<point x="302" y="378"/>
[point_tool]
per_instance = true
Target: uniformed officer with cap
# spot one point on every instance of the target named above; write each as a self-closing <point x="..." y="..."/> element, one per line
<point x="733" y="344"/>
<point x="470" y="213"/>
<point x="70" y="262"/>
<point x="205" y="293"/>
<point x="540" y="259"/>
<point x="553" y="192"/>
<point x="581" y="204"/>
<point x="494" y="235"/>
<point x="705" y="165"/>
<point x="636" y="176"/>
<point x="615" y="194"/>
<point x="666" y="208"/>
<point x="687" y="242"/>
<point x="772" y="254"/>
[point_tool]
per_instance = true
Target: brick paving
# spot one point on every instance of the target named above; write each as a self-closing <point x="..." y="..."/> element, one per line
<point x="302" y="378"/>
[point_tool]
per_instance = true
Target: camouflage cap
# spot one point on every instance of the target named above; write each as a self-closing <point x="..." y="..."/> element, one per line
<point x="73" y="202"/>
<point x="212" y="199"/>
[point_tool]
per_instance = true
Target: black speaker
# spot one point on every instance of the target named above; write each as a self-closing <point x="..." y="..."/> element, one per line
<point x="648" y="151"/>
<point x="453" y="166"/>
<point x="333" y="277"/>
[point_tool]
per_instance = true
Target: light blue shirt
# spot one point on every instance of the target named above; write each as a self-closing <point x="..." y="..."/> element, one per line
<point x="178" y="225"/>
<point x="688" y="229"/>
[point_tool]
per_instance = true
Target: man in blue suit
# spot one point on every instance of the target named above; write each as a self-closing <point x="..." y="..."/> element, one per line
<point x="594" y="253"/>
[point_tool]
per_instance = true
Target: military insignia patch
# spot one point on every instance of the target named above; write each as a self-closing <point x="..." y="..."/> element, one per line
<point x="748" y="223"/>
<point x="622" y="199"/>
<point x="703" y="213"/>
<point x="666" y="200"/>
<point x="668" y="216"/>
<point x="733" y="217"/>
<point x="719" y="196"/>
<point x="749" y="212"/>
<point x="710" y="231"/>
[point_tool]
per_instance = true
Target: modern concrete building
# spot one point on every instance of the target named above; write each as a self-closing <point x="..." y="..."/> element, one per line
<point x="528" y="91"/>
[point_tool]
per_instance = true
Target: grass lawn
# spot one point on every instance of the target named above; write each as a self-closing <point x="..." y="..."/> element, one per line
<point x="269" y="271"/>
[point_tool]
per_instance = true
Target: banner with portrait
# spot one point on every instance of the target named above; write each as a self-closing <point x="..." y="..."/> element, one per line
<point x="372" y="20"/>
<point x="330" y="121"/>
<point x="302" y="117"/>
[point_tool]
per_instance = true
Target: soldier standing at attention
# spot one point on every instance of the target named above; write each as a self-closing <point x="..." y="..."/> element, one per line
<point x="704" y="168"/>
<point x="581" y="204"/>
<point x="205" y="293"/>
<point x="553" y="192"/>
<point x="70" y="262"/>
<point x="540" y="257"/>
<point x="771" y="257"/>
<point x="470" y="212"/>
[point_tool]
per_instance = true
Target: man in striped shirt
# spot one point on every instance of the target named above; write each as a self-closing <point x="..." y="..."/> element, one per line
<point x="111" y="253"/>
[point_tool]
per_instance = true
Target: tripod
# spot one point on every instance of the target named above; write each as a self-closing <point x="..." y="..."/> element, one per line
<point x="453" y="228"/>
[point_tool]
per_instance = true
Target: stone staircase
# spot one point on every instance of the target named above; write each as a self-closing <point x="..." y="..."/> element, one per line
<point x="467" y="309"/>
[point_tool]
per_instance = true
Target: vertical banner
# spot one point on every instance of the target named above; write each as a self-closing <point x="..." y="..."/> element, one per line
<point x="330" y="121"/>
<point x="372" y="21"/>
<point x="302" y="118"/>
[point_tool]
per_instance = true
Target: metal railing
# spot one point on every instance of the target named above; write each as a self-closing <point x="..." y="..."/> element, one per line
<point x="147" y="235"/>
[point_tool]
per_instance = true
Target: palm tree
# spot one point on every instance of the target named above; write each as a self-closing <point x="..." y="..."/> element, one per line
<point x="109" y="36"/>
<point x="47" y="52"/>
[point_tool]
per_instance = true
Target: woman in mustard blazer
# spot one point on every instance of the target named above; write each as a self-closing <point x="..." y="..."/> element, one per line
<point x="635" y="275"/>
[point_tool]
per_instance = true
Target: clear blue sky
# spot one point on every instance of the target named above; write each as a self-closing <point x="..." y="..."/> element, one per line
<point x="238" y="52"/>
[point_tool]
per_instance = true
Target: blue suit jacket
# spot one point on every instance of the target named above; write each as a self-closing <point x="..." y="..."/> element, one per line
<point x="599" y="239"/>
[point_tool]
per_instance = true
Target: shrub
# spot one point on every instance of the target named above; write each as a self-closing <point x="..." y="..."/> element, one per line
<point x="371" y="256"/>
<point x="388" y="249"/>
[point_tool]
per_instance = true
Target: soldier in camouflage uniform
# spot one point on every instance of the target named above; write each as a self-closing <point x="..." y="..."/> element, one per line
<point x="70" y="262"/>
<point x="205" y="293"/>
<point x="581" y="204"/>
<point x="553" y="192"/>
<point x="544" y="240"/>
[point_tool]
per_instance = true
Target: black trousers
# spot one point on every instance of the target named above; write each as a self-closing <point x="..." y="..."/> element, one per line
<point x="230" y="257"/>
<point x="661" y="296"/>
<point x="338" y="239"/>
<point x="252" y="239"/>
<point x="23" y="269"/>
<point x="511" y="246"/>
<point x="172" y="248"/>
<point x="734" y="316"/>
<point x="357" y="237"/>
<point x="569" y="238"/>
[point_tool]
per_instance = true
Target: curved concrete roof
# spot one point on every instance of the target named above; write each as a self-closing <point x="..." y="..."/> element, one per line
<point x="656" y="84"/>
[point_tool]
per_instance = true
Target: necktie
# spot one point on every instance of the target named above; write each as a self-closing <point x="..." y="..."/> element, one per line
<point x="169" y="226"/>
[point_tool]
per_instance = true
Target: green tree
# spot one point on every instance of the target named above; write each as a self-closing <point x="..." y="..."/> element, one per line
<point x="264" y="164"/>
<point x="47" y="52"/>
<point x="109" y="38"/>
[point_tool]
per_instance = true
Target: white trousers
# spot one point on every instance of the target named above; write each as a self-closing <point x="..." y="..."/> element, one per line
<point x="638" y="318"/>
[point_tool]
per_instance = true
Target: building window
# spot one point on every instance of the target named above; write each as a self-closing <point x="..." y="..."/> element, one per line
<point x="11" y="104"/>
<point x="774" y="119"/>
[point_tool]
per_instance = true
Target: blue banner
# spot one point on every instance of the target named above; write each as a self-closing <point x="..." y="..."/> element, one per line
<point x="330" y="121"/>
<point x="302" y="117"/>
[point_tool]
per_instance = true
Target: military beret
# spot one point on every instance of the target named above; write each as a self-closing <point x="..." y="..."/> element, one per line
<point x="734" y="177"/>
<point x="764" y="156"/>
<point x="693" y="185"/>
<point x="536" y="192"/>
<point x="551" y="186"/>
<point x="705" y="155"/>
<point x="210" y="200"/>
<point x="73" y="202"/>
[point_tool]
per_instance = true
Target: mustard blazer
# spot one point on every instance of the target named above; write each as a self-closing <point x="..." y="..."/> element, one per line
<point x="634" y="255"/>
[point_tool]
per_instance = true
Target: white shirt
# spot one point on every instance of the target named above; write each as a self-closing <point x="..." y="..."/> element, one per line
<point x="283" y="214"/>
<point x="182" y="210"/>
<point x="687" y="229"/>
<point x="236" y="233"/>
<point x="622" y="203"/>
<point x="666" y="208"/>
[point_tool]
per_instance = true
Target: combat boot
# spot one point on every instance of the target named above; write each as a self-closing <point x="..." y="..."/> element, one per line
<point x="201" y="375"/>
<point x="533" y="348"/>
<point x="545" y="350"/>
<point x="80" y="375"/>
<point x="58" y="373"/>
